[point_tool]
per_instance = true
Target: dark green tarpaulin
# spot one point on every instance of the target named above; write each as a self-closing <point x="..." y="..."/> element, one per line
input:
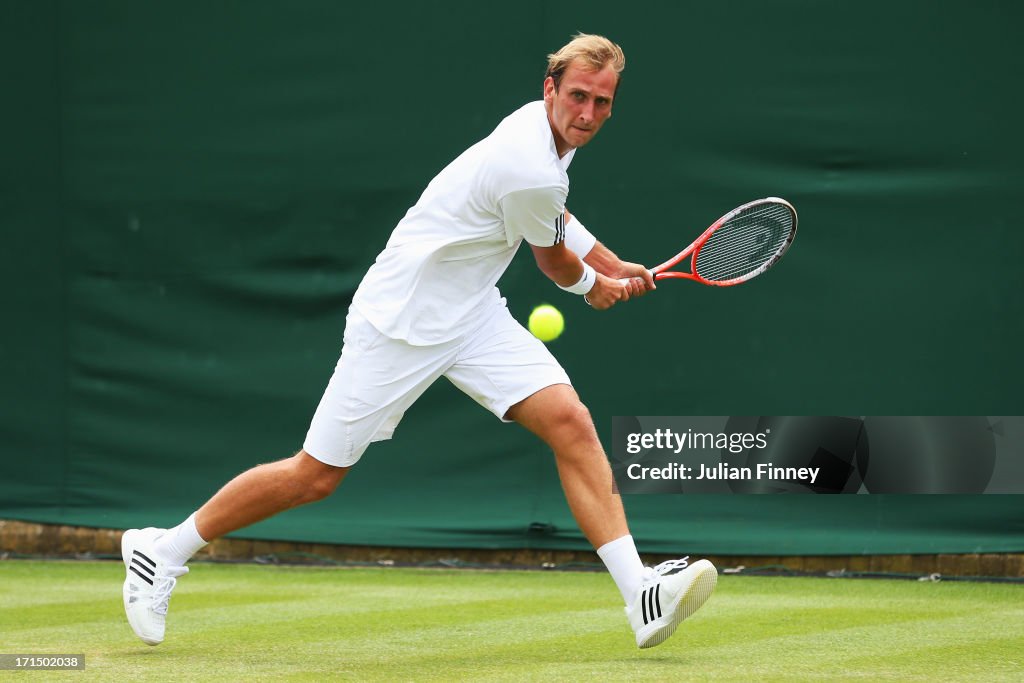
<point x="190" y="193"/>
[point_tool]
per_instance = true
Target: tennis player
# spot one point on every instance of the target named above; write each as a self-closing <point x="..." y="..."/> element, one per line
<point x="429" y="307"/>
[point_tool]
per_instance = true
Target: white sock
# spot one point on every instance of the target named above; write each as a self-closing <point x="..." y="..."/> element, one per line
<point x="624" y="565"/>
<point x="179" y="544"/>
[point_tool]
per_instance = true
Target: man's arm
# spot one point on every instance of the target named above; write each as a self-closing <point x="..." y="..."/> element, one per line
<point x="560" y="264"/>
<point x="525" y="210"/>
<point x="606" y="262"/>
<point x="565" y="269"/>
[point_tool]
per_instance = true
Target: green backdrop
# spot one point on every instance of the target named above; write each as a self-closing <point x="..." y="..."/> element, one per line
<point x="190" y="193"/>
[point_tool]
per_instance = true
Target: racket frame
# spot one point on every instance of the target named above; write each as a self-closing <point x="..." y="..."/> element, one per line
<point x="662" y="272"/>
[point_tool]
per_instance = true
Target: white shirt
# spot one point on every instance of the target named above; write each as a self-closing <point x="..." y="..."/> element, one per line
<point x="438" y="273"/>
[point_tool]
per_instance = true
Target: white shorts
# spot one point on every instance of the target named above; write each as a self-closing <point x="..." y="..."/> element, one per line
<point x="378" y="378"/>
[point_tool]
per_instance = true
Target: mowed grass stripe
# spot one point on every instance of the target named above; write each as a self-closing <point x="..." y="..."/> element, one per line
<point x="863" y="633"/>
<point x="922" y="641"/>
<point x="364" y="630"/>
<point x="310" y="601"/>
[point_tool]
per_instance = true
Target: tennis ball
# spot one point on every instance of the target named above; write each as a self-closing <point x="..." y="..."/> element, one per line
<point x="546" y="323"/>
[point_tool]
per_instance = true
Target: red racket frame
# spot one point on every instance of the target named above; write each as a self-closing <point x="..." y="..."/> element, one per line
<point x="661" y="272"/>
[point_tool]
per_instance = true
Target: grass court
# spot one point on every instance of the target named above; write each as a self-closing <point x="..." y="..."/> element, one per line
<point x="252" y="622"/>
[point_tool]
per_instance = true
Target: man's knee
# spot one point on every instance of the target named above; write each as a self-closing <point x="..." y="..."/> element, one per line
<point x="318" y="479"/>
<point x="574" y="416"/>
<point x="570" y="422"/>
<point x="556" y="415"/>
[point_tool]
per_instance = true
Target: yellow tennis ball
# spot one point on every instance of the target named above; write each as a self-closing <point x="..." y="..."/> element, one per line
<point x="546" y="323"/>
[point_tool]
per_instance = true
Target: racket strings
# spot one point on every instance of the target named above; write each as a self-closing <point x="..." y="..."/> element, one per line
<point x="745" y="244"/>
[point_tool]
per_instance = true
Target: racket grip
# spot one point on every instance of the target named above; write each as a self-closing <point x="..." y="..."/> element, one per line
<point x="625" y="280"/>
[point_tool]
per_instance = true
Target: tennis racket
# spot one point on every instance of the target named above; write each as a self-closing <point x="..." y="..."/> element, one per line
<point x="738" y="247"/>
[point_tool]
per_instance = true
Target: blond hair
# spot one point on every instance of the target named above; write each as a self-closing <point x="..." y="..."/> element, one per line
<point x="593" y="52"/>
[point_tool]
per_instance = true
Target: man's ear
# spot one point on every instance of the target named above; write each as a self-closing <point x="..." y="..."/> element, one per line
<point x="549" y="89"/>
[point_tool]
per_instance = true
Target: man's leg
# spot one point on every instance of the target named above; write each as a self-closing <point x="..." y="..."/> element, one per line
<point x="155" y="558"/>
<point x="250" y="497"/>
<point x="266" y="490"/>
<point x="655" y="603"/>
<point x="364" y="402"/>
<point x="557" y="416"/>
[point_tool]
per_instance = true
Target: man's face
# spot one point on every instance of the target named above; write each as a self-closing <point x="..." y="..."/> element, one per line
<point x="580" y="105"/>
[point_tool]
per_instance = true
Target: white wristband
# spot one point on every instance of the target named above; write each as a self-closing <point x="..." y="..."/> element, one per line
<point x="586" y="282"/>
<point x="578" y="239"/>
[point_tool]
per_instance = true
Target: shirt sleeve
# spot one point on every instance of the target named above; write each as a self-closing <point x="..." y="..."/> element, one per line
<point x="536" y="214"/>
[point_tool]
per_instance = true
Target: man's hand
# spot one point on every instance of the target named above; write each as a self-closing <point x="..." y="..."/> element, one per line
<point x="641" y="280"/>
<point x="607" y="292"/>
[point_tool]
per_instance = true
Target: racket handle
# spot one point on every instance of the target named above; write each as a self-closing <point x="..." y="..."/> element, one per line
<point x="625" y="280"/>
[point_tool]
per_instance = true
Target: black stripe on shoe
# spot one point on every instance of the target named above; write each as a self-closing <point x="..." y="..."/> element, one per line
<point x="143" y="556"/>
<point x="141" y="575"/>
<point x="643" y="605"/>
<point x="657" y="599"/>
<point x="143" y="567"/>
<point x="650" y="602"/>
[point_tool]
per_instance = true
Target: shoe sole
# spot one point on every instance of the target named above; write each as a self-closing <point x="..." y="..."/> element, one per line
<point x="688" y="602"/>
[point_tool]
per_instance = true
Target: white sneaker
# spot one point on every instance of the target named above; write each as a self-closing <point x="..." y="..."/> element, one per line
<point x="664" y="599"/>
<point x="148" y="584"/>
